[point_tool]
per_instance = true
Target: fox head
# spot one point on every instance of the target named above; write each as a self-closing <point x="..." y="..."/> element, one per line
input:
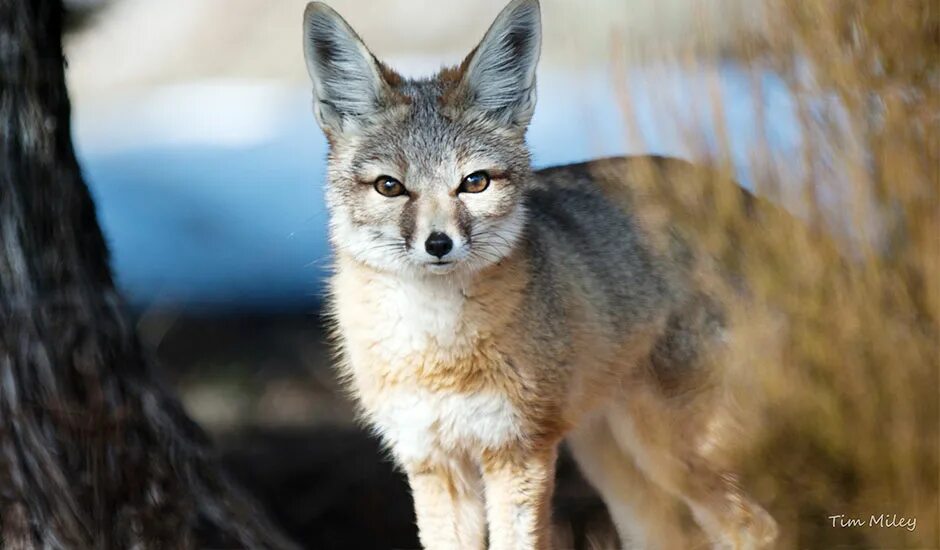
<point x="426" y="176"/>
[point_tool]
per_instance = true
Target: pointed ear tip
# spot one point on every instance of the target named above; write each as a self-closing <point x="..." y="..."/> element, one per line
<point x="314" y="6"/>
<point x="314" y="9"/>
<point x="532" y="4"/>
<point x="526" y="9"/>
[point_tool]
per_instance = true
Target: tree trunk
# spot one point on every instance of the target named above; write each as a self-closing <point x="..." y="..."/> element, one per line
<point x="94" y="452"/>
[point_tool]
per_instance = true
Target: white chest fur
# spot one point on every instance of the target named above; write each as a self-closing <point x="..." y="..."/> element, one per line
<point x="398" y="321"/>
<point x="419" y="424"/>
<point x="399" y="330"/>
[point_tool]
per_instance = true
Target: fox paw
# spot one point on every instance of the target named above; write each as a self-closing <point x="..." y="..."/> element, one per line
<point x="753" y="529"/>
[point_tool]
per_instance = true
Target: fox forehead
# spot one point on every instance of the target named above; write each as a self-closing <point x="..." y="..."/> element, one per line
<point x="423" y="138"/>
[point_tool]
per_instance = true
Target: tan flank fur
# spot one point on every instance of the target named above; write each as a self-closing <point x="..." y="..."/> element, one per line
<point x="486" y="313"/>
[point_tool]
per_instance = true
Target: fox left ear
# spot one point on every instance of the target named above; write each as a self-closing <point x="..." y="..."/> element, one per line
<point x="498" y="77"/>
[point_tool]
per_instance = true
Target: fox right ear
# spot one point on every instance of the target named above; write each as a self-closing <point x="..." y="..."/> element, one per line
<point x="348" y="82"/>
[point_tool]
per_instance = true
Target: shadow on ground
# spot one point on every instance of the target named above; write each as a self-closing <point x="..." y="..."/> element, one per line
<point x="333" y="488"/>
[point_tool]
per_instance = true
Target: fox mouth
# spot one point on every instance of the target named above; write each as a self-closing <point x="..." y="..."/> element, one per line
<point x="440" y="266"/>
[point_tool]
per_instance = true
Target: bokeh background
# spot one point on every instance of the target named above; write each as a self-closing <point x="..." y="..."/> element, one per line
<point x="193" y="125"/>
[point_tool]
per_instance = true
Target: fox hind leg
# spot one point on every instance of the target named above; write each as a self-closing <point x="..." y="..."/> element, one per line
<point x="664" y="439"/>
<point x="646" y="517"/>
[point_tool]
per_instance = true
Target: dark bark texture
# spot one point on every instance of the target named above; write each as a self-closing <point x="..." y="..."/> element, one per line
<point x="94" y="451"/>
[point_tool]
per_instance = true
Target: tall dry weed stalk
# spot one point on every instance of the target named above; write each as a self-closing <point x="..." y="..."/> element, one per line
<point x="835" y="274"/>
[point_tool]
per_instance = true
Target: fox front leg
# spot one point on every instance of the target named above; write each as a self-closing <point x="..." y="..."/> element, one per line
<point x="448" y="502"/>
<point x="519" y="485"/>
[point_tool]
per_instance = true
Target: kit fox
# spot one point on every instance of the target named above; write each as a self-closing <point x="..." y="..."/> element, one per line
<point x="486" y="312"/>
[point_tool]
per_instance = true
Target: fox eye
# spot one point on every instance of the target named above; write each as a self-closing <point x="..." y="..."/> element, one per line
<point x="389" y="186"/>
<point x="476" y="182"/>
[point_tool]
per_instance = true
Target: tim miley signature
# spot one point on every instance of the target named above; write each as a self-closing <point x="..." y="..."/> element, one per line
<point x="884" y="521"/>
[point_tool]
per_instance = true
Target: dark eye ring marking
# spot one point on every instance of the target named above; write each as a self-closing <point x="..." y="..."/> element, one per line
<point x="389" y="186"/>
<point x="477" y="182"/>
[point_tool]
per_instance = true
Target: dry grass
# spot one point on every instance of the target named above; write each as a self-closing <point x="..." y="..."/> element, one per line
<point x="834" y="364"/>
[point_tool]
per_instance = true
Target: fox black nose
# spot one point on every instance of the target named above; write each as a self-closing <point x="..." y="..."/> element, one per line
<point x="438" y="244"/>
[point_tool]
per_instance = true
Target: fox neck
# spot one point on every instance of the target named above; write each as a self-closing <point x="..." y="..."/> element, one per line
<point x="443" y="306"/>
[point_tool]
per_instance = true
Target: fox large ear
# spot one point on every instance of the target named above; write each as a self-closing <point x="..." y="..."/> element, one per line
<point x="348" y="84"/>
<point x="499" y="75"/>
